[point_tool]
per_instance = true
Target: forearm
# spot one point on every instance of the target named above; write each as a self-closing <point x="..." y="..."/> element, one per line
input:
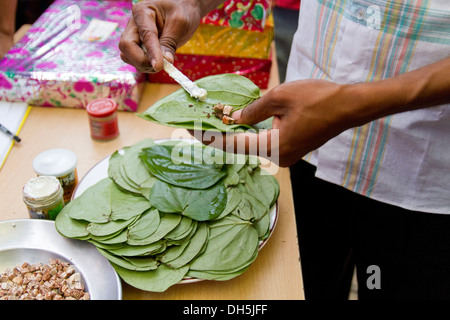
<point x="425" y="87"/>
<point x="8" y="17"/>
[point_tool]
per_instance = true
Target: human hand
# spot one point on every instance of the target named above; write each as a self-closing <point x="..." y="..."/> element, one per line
<point x="307" y="113"/>
<point x="6" y="42"/>
<point x="161" y="26"/>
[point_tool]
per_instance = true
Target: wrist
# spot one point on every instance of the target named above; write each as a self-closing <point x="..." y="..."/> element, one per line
<point x="421" y="88"/>
<point x="373" y="100"/>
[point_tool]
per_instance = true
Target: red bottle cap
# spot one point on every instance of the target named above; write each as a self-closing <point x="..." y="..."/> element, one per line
<point x="101" y="107"/>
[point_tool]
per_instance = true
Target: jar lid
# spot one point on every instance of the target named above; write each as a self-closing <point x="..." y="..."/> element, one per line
<point x="55" y="162"/>
<point x="101" y="107"/>
<point x="40" y="188"/>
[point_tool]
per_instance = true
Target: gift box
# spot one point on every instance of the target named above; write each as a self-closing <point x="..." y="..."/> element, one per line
<point x="249" y="15"/>
<point x="70" y="56"/>
<point x="196" y="67"/>
<point x="217" y="40"/>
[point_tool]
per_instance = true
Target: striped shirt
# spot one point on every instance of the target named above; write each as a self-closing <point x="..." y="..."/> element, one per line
<point x="402" y="159"/>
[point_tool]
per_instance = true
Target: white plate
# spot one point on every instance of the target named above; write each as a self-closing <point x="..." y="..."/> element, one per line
<point x="37" y="241"/>
<point x="100" y="171"/>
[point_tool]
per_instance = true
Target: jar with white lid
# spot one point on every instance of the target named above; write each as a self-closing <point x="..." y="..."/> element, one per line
<point x="43" y="196"/>
<point x="59" y="163"/>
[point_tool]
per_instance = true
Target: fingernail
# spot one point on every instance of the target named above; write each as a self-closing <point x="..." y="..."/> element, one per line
<point x="153" y="62"/>
<point x="237" y="114"/>
<point x="169" y="56"/>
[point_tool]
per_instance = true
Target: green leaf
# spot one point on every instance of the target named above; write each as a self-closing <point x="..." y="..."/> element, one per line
<point x="194" y="247"/>
<point x="231" y="245"/>
<point x="200" y="205"/>
<point x="158" y="280"/>
<point x="129" y="263"/>
<point x="94" y="204"/>
<point x="180" y="168"/>
<point x="147" y="224"/>
<point x="180" y="110"/>
<point x="115" y="173"/>
<point x="168" y="222"/>
<point x="135" y="169"/>
<point x="144" y="250"/>
<point x="69" y="227"/>
<point x="125" y="205"/>
<point x="109" y="228"/>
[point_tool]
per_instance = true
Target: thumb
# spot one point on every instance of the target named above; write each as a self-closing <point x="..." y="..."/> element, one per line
<point x="255" y="112"/>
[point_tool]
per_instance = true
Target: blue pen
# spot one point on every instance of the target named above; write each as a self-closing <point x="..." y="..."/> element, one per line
<point x="5" y="130"/>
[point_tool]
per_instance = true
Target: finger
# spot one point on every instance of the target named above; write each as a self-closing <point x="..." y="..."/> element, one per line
<point x="171" y="37"/>
<point x="146" y="68"/>
<point x="264" y="144"/>
<point x="147" y="26"/>
<point x="255" y="112"/>
<point x="131" y="51"/>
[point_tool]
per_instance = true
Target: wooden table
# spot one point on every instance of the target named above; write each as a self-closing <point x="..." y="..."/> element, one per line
<point x="275" y="274"/>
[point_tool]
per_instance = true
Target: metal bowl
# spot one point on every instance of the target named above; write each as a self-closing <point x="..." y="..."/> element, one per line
<point x="37" y="241"/>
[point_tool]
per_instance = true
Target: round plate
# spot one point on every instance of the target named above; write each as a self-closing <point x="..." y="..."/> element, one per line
<point x="37" y="241"/>
<point x="100" y="171"/>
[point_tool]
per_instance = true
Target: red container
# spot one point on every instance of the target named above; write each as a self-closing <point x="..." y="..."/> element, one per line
<point x="103" y="119"/>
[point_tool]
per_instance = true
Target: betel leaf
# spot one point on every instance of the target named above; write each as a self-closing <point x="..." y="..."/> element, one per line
<point x="69" y="227"/>
<point x="200" y="205"/>
<point x="168" y="222"/>
<point x="127" y="250"/>
<point x="145" y="265"/>
<point x="157" y="280"/>
<point x="181" y="110"/>
<point x="135" y="170"/>
<point x="94" y="204"/>
<point x="231" y="245"/>
<point x="178" y="168"/>
<point x="115" y="173"/>
<point x="126" y="205"/>
<point x="109" y="228"/>
<point x="155" y="240"/>
<point x="194" y="247"/>
<point x="145" y="226"/>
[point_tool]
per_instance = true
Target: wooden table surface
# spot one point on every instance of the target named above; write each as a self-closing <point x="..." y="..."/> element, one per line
<point x="276" y="273"/>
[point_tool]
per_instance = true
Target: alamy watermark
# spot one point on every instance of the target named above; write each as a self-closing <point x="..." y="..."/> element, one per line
<point x="73" y="20"/>
<point x="261" y="146"/>
<point x="374" y="279"/>
<point x="371" y="15"/>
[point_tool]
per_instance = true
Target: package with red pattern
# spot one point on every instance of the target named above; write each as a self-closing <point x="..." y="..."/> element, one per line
<point x="196" y="67"/>
<point x="243" y="14"/>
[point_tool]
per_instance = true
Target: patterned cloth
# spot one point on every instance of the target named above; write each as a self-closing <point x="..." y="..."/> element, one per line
<point x="288" y="4"/>
<point x="402" y="159"/>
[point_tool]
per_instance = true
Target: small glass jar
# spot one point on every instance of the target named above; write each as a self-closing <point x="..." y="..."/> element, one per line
<point x="43" y="196"/>
<point x="59" y="163"/>
<point x="103" y="119"/>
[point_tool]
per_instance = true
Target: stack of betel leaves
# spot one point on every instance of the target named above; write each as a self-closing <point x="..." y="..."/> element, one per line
<point x="172" y="210"/>
<point x="180" y="110"/>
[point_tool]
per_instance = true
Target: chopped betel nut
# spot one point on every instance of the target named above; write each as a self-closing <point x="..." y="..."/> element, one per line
<point x="227" y="110"/>
<point x="54" y="281"/>
<point x="223" y="113"/>
<point x="227" y="120"/>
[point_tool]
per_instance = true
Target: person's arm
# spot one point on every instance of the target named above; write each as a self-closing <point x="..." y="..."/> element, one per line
<point x="308" y="113"/>
<point x="7" y="25"/>
<point x="161" y="26"/>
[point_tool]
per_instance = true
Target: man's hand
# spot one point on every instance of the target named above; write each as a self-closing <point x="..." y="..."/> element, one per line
<point x="7" y="26"/>
<point x="6" y="42"/>
<point x="160" y="26"/>
<point x="306" y="113"/>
